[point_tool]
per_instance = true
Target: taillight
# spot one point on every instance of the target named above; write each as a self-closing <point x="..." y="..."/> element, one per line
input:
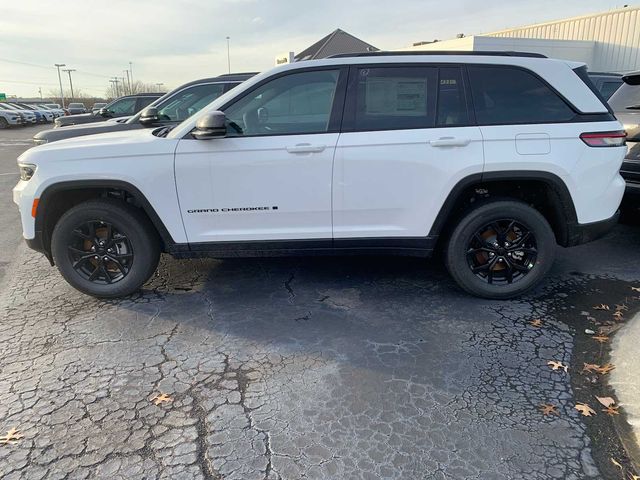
<point x="604" y="139"/>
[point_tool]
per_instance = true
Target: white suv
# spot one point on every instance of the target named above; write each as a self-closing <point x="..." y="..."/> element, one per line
<point x="491" y="159"/>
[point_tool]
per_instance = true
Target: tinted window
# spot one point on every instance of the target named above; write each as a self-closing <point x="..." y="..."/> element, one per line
<point x="452" y="106"/>
<point x="504" y="95"/>
<point x="296" y="103"/>
<point x="391" y="98"/>
<point x="189" y="101"/>
<point x="608" y="88"/>
<point x="126" y="106"/>
<point x="143" y="102"/>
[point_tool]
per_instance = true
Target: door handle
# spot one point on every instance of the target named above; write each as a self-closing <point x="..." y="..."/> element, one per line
<point x="450" y="142"/>
<point x="306" y="148"/>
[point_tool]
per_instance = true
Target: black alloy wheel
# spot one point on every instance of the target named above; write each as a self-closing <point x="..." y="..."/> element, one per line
<point x="503" y="251"/>
<point x="100" y="253"/>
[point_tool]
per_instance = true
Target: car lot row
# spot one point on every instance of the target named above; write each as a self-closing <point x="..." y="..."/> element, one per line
<point x="15" y="114"/>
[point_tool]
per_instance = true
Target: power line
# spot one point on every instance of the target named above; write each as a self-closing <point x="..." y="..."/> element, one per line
<point x="82" y="72"/>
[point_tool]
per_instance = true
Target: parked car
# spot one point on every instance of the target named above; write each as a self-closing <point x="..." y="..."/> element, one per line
<point x="606" y="83"/>
<point x="97" y="106"/>
<point x="170" y="109"/>
<point x="57" y="112"/>
<point x="370" y="153"/>
<point x="28" y="115"/>
<point x="10" y="118"/>
<point x="120" y="107"/>
<point x="47" y="115"/>
<point x="625" y="103"/>
<point x="76" y="108"/>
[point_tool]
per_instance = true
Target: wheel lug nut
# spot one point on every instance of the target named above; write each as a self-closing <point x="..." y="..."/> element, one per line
<point x="105" y="258"/>
<point x="96" y="257"/>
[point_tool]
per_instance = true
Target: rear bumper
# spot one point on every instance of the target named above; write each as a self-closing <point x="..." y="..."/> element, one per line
<point x="580" y="233"/>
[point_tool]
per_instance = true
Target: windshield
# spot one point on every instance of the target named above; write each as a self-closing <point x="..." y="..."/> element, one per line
<point x="627" y="97"/>
<point x="76" y="105"/>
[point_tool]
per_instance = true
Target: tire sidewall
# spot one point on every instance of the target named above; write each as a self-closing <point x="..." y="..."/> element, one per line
<point x="530" y="218"/>
<point x="145" y="256"/>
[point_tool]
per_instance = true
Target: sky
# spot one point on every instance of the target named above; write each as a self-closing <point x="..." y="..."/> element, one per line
<point x="175" y="41"/>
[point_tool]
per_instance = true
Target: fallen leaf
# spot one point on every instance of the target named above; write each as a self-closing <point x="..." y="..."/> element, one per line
<point x="633" y="477"/>
<point x="635" y="289"/>
<point x="162" y="398"/>
<point x="536" y="322"/>
<point x="606" y="368"/>
<point x="618" y="316"/>
<point x="601" y="338"/>
<point x="548" y="409"/>
<point x="557" y="365"/>
<point x="602" y="306"/>
<point x="611" y="410"/>
<point x="606" y="401"/>
<point x="11" y="437"/>
<point x="616" y="463"/>
<point x="590" y="368"/>
<point x="621" y="308"/>
<point x="585" y="409"/>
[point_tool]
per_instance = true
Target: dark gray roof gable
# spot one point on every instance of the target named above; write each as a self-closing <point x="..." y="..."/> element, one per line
<point x="335" y="43"/>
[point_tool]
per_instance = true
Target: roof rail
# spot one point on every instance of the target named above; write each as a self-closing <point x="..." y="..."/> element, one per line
<point x="237" y="73"/>
<point x="440" y="52"/>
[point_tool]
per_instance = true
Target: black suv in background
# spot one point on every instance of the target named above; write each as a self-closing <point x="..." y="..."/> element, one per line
<point x="76" y="108"/>
<point x="625" y="103"/>
<point x="120" y="107"/>
<point x="171" y="109"/>
<point x="606" y="83"/>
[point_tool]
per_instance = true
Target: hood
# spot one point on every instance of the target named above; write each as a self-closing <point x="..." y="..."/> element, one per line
<point x="101" y="147"/>
<point x="56" y="134"/>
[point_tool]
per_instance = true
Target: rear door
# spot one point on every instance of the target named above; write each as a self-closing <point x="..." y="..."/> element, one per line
<point x="407" y="140"/>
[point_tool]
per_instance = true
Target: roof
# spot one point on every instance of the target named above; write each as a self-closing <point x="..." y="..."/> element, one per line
<point x="335" y="43"/>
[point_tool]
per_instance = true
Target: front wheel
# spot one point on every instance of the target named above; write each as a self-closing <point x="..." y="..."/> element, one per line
<point x="4" y="123"/>
<point x="105" y="248"/>
<point x="500" y="249"/>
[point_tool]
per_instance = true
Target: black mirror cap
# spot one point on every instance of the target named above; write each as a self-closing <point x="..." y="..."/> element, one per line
<point x="104" y="112"/>
<point x="149" y="116"/>
<point x="210" y="125"/>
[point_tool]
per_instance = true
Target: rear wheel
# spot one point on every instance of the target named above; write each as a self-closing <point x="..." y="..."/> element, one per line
<point x="4" y="123"/>
<point x="105" y="248"/>
<point x="500" y="250"/>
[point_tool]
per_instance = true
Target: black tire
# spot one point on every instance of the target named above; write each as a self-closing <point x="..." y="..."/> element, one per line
<point x="523" y="239"/>
<point x="3" y="123"/>
<point x="122" y="230"/>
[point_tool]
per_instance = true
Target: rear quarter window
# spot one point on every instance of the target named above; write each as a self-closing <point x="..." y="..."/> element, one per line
<point x="506" y="95"/>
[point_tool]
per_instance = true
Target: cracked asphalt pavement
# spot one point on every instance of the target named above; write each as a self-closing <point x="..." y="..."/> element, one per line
<point x="319" y="368"/>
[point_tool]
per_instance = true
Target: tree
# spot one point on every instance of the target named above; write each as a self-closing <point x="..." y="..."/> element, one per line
<point x="114" y="91"/>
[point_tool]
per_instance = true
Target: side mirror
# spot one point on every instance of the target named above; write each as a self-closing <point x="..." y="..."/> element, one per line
<point x="149" y="116"/>
<point x="211" y="125"/>
<point x="104" y="112"/>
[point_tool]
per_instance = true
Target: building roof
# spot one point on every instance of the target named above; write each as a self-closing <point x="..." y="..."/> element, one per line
<point x="336" y="42"/>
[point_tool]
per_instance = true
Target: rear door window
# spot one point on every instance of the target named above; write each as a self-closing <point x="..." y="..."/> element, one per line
<point x="507" y="95"/>
<point x="452" y="104"/>
<point x="394" y="98"/>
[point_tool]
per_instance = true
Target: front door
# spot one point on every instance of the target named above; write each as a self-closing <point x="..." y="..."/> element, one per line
<point x="270" y="177"/>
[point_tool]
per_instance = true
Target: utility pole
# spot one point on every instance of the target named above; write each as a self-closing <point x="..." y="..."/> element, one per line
<point x="115" y="82"/>
<point x="40" y="92"/>
<point x="129" y="82"/>
<point x="131" y="70"/>
<point x="69" y="70"/>
<point x="228" y="56"/>
<point x="159" y="85"/>
<point x="58" y="65"/>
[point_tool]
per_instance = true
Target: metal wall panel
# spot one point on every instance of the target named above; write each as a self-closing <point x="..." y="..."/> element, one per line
<point x="616" y="33"/>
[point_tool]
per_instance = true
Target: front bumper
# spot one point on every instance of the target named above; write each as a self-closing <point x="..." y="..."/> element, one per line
<point x="579" y="233"/>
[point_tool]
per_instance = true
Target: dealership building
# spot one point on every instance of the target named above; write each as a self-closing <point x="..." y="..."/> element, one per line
<point x="606" y="42"/>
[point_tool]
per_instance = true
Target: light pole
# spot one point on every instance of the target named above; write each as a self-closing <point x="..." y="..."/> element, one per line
<point x="228" y="56"/>
<point x="58" y="65"/>
<point x="131" y="70"/>
<point x="69" y="70"/>
<point x="159" y="85"/>
<point x="129" y="81"/>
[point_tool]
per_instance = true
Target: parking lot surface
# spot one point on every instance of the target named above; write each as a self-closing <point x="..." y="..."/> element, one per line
<point x="367" y="367"/>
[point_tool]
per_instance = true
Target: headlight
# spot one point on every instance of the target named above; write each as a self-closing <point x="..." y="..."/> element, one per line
<point x="26" y="171"/>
